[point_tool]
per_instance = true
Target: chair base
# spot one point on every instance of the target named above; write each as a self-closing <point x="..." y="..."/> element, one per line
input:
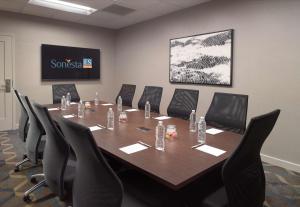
<point x="26" y="196"/>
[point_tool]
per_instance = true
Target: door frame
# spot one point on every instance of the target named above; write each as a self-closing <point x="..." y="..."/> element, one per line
<point x="15" y="124"/>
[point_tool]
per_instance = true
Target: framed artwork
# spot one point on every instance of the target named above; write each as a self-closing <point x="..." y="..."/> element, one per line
<point x="202" y="59"/>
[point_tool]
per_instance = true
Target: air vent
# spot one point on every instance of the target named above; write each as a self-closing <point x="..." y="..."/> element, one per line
<point x="118" y="10"/>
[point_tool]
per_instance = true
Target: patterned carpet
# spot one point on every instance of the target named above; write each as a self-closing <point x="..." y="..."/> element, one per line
<point x="282" y="190"/>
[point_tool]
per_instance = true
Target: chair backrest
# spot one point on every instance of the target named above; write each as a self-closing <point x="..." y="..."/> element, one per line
<point x="243" y="173"/>
<point x="95" y="183"/>
<point x="59" y="90"/>
<point x="127" y="92"/>
<point x="182" y="103"/>
<point x="35" y="131"/>
<point x="56" y="152"/>
<point x="153" y="95"/>
<point x="23" y="121"/>
<point x="228" y="111"/>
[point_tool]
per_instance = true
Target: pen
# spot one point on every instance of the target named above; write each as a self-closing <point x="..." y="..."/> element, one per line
<point x="144" y="144"/>
<point x="197" y="145"/>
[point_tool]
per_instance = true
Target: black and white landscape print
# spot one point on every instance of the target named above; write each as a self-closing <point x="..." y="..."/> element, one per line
<point x="202" y="59"/>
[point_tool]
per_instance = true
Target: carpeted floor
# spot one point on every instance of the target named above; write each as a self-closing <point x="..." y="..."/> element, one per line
<point x="282" y="190"/>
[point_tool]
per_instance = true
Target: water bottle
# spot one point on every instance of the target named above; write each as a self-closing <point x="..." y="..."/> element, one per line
<point x="202" y="130"/>
<point x="160" y="137"/>
<point x="96" y="99"/>
<point x="119" y="104"/>
<point x="110" y="119"/>
<point x="81" y="109"/>
<point x="193" y="121"/>
<point x="68" y="99"/>
<point x="147" y="110"/>
<point x="63" y="103"/>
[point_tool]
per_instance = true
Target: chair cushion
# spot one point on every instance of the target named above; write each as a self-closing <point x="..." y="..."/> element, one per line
<point x="216" y="199"/>
<point x="148" y="191"/>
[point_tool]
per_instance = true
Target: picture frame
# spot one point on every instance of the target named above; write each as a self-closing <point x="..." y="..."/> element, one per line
<point x="204" y="59"/>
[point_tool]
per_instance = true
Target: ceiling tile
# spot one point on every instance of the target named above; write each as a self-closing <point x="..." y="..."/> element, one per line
<point x="12" y="5"/>
<point x="38" y="10"/>
<point x="184" y="3"/>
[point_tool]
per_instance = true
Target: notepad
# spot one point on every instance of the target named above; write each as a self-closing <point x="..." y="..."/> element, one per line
<point x="214" y="131"/>
<point x="107" y="104"/>
<point x="211" y="150"/>
<point x="53" y="109"/>
<point x="133" y="148"/>
<point x="131" y="110"/>
<point x="94" y="128"/>
<point x="162" y="118"/>
<point x="68" y="116"/>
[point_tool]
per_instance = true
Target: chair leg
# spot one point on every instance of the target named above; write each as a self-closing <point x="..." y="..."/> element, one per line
<point x="26" y="196"/>
<point x="35" y="176"/>
<point x="17" y="167"/>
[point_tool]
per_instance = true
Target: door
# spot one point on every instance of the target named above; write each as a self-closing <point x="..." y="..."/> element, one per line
<point x="6" y="74"/>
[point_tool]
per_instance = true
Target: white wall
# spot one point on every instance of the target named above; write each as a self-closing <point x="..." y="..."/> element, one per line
<point x="30" y="32"/>
<point x="265" y="63"/>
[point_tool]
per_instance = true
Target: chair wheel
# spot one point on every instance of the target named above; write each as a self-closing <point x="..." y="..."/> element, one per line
<point x="17" y="169"/>
<point x="27" y="199"/>
<point x="33" y="180"/>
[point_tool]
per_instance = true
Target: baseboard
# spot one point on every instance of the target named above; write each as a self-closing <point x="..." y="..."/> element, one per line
<point x="281" y="163"/>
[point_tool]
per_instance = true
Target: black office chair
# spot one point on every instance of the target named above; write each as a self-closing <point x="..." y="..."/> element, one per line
<point x="127" y="92"/>
<point x="58" y="176"/>
<point x="59" y="90"/>
<point x="24" y="119"/>
<point x="182" y="103"/>
<point x="228" y="111"/>
<point x="34" y="144"/>
<point x="153" y="95"/>
<point x="243" y="174"/>
<point x="96" y="184"/>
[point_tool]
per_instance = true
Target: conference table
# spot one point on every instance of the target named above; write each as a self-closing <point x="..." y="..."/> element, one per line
<point x="176" y="167"/>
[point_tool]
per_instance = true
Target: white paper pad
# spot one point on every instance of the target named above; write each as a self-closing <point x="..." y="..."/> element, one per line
<point x="107" y="104"/>
<point x="68" y="116"/>
<point x="214" y="131"/>
<point x="73" y="103"/>
<point x="130" y="110"/>
<point x="133" y="148"/>
<point x="162" y="117"/>
<point x="94" y="128"/>
<point x="53" y="109"/>
<point x="211" y="150"/>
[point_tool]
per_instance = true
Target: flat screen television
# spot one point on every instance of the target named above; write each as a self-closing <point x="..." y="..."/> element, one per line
<point x="70" y="63"/>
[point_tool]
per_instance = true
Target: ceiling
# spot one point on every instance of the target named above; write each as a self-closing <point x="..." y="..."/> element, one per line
<point x="144" y="10"/>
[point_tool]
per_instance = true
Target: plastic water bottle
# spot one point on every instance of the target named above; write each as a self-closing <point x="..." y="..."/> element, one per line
<point x="119" y="104"/>
<point x="193" y="121"/>
<point x="96" y="99"/>
<point x="160" y="137"/>
<point x="63" y="103"/>
<point x="68" y="99"/>
<point x="147" y="110"/>
<point x="81" y="109"/>
<point x="202" y="130"/>
<point x="110" y="119"/>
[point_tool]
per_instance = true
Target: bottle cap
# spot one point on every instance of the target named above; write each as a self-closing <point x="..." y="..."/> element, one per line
<point x="63" y="96"/>
<point x="193" y="110"/>
<point x="201" y="118"/>
<point x="68" y="93"/>
<point x="110" y="109"/>
<point x="147" y="102"/>
<point x="160" y="122"/>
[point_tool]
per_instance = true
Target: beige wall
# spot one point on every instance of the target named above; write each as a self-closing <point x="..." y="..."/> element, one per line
<point x="265" y="64"/>
<point x="30" y="32"/>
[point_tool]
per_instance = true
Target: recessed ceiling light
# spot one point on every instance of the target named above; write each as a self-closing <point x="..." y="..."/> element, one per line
<point x="64" y="6"/>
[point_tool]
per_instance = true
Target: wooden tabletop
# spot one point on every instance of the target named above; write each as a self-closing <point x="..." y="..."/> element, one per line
<point x="177" y="166"/>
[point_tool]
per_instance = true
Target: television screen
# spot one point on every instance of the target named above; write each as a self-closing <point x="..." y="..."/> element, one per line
<point x="70" y="63"/>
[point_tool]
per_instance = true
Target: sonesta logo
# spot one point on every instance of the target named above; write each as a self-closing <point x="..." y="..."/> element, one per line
<point x="71" y="64"/>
